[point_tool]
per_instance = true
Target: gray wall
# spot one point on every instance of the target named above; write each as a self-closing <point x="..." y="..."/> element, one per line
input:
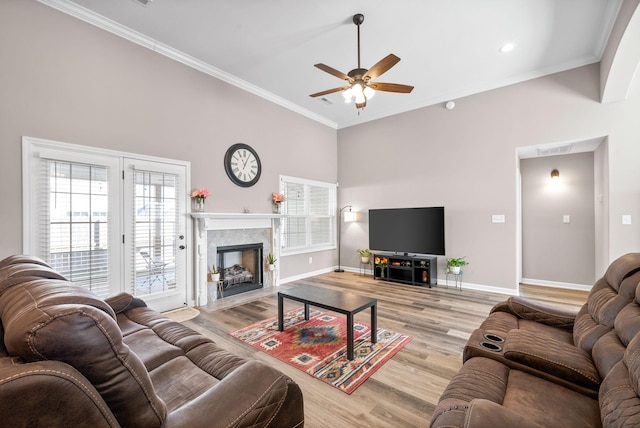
<point x="65" y="80"/>
<point x="465" y="159"/>
<point x="553" y="250"/>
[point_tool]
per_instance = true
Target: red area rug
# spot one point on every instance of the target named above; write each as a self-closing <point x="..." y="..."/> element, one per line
<point x="318" y="346"/>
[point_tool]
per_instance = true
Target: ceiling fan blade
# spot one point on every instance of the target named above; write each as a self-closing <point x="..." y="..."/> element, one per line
<point x="334" y="72"/>
<point x="391" y="87"/>
<point x="381" y="66"/>
<point x="330" y="91"/>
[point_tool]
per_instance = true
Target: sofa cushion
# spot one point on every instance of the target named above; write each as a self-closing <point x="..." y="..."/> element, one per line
<point x="619" y="393"/>
<point x="49" y="319"/>
<point x="536" y="400"/>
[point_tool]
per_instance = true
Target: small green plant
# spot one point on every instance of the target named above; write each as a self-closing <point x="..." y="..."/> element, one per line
<point x="364" y="253"/>
<point x="457" y="262"/>
<point x="271" y="259"/>
<point x="214" y="269"/>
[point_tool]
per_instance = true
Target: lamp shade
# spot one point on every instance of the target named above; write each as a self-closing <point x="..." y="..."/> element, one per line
<point x="350" y="216"/>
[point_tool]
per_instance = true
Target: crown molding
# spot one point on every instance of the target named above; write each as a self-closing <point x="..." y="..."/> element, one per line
<point x="120" y="30"/>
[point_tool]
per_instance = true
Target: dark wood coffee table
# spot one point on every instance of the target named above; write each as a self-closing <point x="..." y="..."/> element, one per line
<point x="336" y="301"/>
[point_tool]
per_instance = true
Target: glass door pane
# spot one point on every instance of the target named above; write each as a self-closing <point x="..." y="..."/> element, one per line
<point x="156" y="221"/>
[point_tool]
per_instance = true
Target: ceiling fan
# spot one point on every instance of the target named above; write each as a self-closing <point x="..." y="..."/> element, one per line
<point x="361" y="86"/>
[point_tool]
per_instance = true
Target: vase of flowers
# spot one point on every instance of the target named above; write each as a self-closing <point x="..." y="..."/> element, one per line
<point x="381" y="263"/>
<point x="277" y="199"/>
<point x="198" y="196"/>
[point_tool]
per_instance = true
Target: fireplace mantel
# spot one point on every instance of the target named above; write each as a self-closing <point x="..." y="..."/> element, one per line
<point x="205" y="221"/>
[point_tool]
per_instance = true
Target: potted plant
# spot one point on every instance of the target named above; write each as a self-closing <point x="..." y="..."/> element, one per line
<point x="271" y="261"/>
<point x="454" y="265"/>
<point x="214" y="273"/>
<point x="365" y="255"/>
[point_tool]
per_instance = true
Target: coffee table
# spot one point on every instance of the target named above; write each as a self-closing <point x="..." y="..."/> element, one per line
<point x="337" y="301"/>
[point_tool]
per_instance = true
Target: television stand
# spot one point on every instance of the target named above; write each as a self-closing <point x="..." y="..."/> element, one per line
<point x="414" y="270"/>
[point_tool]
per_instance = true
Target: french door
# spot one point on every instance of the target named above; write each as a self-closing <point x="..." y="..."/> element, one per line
<point x="155" y="254"/>
<point x="107" y="221"/>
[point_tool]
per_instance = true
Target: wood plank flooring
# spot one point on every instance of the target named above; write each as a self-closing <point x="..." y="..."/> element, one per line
<point x="403" y="392"/>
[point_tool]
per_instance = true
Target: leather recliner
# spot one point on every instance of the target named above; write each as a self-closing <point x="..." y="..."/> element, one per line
<point x="69" y="358"/>
<point x="551" y="369"/>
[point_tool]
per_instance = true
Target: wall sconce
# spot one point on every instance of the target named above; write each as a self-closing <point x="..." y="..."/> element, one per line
<point x="555" y="174"/>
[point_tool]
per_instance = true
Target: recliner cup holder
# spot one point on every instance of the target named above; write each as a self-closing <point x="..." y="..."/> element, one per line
<point x="493" y="337"/>
<point x="491" y="346"/>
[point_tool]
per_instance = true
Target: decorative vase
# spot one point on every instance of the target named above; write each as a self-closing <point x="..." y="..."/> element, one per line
<point x="276" y="208"/>
<point x="198" y="204"/>
<point x="271" y="267"/>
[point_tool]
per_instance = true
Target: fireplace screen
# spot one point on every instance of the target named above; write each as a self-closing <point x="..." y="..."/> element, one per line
<point x="240" y="268"/>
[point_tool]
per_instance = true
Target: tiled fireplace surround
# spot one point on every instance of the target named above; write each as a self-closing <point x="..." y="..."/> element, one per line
<point x="223" y="229"/>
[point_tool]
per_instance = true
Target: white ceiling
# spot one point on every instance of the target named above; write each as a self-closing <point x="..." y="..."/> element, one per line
<point x="448" y="49"/>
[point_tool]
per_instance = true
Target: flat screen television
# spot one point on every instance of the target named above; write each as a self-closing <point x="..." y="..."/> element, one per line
<point x="407" y="230"/>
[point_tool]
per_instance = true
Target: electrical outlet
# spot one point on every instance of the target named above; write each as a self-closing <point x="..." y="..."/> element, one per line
<point x="310" y="259"/>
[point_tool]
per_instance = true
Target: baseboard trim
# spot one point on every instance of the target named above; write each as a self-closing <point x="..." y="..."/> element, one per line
<point x="441" y="281"/>
<point x="555" y="284"/>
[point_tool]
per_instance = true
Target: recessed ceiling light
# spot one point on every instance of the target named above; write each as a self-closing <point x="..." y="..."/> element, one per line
<point x="507" y="47"/>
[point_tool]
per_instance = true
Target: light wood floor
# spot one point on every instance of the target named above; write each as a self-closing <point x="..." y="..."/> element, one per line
<point x="403" y="392"/>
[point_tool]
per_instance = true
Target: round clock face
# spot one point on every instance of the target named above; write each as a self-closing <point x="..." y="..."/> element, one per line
<point x="242" y="165"/>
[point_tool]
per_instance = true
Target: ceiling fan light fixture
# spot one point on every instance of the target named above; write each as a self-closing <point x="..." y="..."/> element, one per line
<point x="369" y="92"/>
<point x="360" y="78"/>
<point x="347" y="94"/>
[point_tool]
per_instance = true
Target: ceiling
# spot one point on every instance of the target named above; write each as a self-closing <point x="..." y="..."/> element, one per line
<point x="448" y="49"/>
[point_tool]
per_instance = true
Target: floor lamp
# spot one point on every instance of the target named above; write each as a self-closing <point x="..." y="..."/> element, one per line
<point x="350" y="218"/>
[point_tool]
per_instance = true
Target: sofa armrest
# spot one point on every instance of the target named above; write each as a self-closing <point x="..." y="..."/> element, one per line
<point x="49" y="393"/>
<point x="551" y="356"/>
<point x="124" y="301"/>
<point x="533" y="310"/>
<point x="253" y="395"/>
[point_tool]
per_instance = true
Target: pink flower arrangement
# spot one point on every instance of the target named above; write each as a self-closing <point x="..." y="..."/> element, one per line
<point x="277" y="198"/>
<point x="200" y="194"/>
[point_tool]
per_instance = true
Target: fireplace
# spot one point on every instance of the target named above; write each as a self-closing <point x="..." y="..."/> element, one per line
<point x="215" y="231"/>
<point x="240" y="268"/>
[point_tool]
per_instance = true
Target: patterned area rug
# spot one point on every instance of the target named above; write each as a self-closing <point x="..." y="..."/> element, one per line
<point x="318" y="346"/>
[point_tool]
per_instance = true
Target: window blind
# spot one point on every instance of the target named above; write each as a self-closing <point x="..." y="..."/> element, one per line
<point x="310" y="209"/>
<point x="74" y="222"/>
<point x="155" y="221"/>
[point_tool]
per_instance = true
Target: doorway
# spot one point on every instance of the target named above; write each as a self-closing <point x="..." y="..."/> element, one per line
<point x="563" y="219"/>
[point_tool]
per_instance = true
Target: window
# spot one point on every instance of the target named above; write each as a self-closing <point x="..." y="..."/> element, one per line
<point x="310" y="208"/>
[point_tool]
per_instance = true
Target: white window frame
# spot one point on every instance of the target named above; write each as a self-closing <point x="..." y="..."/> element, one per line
<point x="308" y="248"/>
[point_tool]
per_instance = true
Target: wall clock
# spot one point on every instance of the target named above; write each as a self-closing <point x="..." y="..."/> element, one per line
<point x="242" y="165"/>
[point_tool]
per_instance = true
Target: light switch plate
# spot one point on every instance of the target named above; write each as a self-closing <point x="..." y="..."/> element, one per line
<point x="566" y="218"/>
<point x="497" y="218"/>
<point x="626" y="219"/>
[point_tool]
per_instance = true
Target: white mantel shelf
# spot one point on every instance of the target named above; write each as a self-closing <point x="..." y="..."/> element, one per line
<point x="236" y="215"/>
<point x="205" y="221"/>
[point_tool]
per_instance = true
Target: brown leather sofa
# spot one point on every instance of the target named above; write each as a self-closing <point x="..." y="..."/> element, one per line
<point x="534" y="365"/>
<point x="71" y="359"/>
